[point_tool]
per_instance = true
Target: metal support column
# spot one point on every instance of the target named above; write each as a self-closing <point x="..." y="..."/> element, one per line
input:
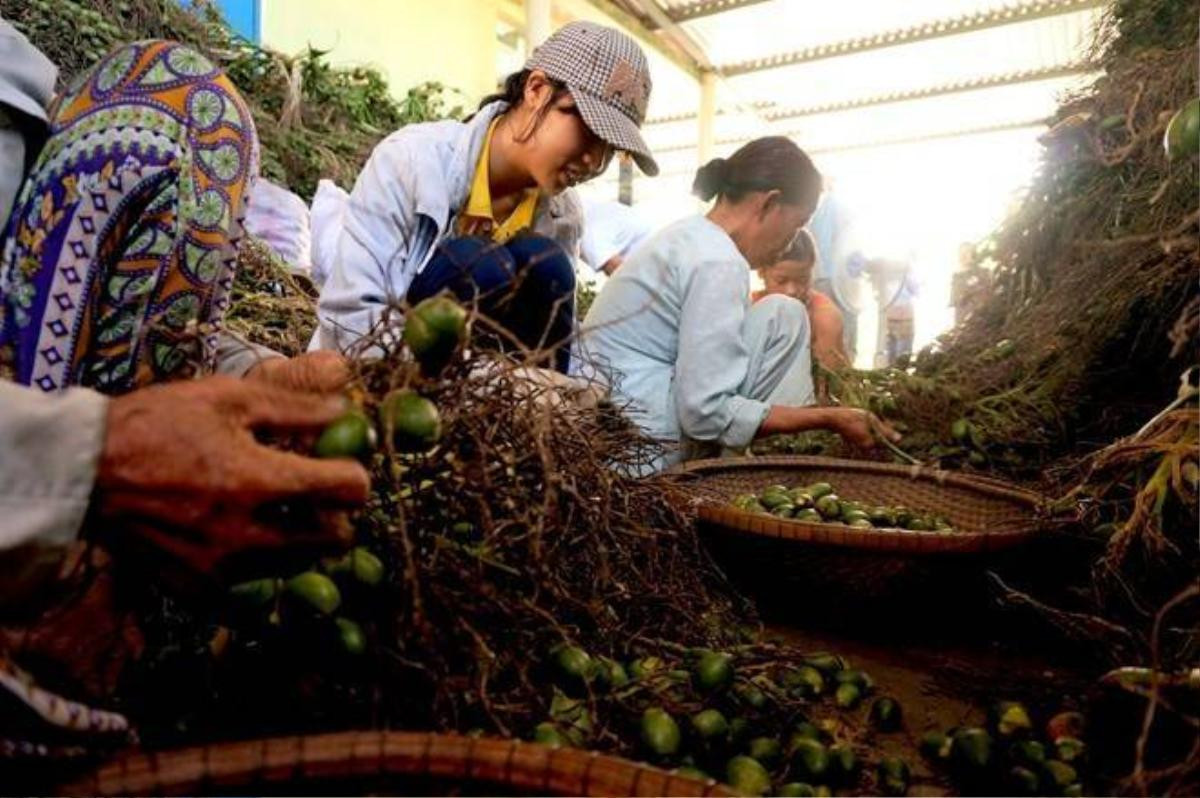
<point x="706" y="136"/>
<point x="625" y="179"/>
<point x="537" y="23"/>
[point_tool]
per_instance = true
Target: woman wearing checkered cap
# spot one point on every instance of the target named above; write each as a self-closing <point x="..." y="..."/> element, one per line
<point x="483" y="208"/>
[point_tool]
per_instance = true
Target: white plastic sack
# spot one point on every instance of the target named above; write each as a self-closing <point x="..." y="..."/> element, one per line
<point x="280" y="218"/>
<point x="328" y="211"/>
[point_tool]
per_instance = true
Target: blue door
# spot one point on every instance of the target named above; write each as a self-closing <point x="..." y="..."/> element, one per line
<point x="244" y="16"/>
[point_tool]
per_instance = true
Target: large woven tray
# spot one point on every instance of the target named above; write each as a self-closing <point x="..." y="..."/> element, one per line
<point x="987" y="515"/>
<point x="990" y="518"/>
<point x="382" y="762"/>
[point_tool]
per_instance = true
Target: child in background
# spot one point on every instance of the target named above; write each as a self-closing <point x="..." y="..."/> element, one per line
<point x="791" y="276"/>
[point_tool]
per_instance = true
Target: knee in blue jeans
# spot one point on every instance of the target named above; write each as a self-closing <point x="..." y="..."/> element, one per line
<point x="545" y="263"/>
<point x="471" y="254"/>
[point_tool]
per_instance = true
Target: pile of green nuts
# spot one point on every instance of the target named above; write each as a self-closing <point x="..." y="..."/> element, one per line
<point x="1008" y="758"/>
<point x="314" y="597"/>
<point x="707" y="715"/>
<point x="818" y="503"/>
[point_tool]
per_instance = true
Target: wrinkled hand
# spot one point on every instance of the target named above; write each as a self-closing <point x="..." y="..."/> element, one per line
<point x="319" y="372"/>
<point x="181" y="469"/>
<point x="862" y="428"/>
<point x="547" y="388"/>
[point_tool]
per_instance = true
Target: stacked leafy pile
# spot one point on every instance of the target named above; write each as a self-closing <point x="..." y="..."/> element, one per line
<point x="314" y="120"/>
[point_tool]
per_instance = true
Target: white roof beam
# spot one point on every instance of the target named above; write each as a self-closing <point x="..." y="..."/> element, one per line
<point x="771" y="112"/>
<point x="707" y="8"/>
<point x="872" y="143"/>
<point x="968" y="23"/>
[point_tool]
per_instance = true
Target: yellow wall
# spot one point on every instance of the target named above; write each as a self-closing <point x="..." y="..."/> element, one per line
<point x="410" y="41"/>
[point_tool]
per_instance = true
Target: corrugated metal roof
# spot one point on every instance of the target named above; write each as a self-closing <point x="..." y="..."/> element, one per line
<point x="926" y="112"/>
<point x="853" y="68"/>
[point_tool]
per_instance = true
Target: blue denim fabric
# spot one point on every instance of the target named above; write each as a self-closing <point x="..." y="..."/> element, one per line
<point x="526" y="285"/>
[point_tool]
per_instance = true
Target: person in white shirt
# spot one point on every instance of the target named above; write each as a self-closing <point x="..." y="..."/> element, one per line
<point x="611" y="230"/>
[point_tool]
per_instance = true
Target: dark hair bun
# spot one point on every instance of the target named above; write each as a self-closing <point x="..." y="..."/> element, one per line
<point x="771" y="163"/>
<point x="710" y="180"/>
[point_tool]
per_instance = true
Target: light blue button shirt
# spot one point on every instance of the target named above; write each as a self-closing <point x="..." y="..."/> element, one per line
<point x="666" y="334"/>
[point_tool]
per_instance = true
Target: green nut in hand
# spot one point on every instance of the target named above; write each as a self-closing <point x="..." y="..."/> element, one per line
<point x="256" y="591"/>
<point x="317" y="590"/>
<point x="361" y="563"/>
<point x="350" y="435"/>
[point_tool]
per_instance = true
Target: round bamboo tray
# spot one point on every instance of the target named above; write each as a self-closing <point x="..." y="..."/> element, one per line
<point x="989" y="517"/>
<point x="389" y="762"/>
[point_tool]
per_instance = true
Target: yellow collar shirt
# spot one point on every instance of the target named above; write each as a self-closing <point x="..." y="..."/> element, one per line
<point x="477" y="218"/>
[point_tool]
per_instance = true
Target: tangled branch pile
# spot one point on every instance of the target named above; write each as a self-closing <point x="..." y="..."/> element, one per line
<point x="1087" y="329"/>
<point x="507" y="574"/>
<point x="1101" y="258"/>
<point x="1092" y="320"/>
<point x="1091" y="325"/>
<point x="271" y="305"/>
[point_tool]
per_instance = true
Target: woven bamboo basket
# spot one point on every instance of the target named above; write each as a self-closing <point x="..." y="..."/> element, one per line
<point x="388" y="762"/>
<point x="991" y="519"/>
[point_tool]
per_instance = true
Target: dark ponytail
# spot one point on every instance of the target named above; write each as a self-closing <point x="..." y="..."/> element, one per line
<point x="772" y="163"/>
<point x="710" y="179"/>
<point x="512" y="92"/>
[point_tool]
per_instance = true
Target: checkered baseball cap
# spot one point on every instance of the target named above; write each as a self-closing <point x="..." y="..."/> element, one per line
<point x="607" y="75"/>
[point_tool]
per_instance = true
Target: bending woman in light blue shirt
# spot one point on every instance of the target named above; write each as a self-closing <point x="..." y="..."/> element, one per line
<point x="695" y="365"/>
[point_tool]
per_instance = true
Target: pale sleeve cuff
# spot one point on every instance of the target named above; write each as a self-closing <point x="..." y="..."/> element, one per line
<point x="236" y="355"/>
<point x="746" y="416"/>
<point x="51" y="445"/>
